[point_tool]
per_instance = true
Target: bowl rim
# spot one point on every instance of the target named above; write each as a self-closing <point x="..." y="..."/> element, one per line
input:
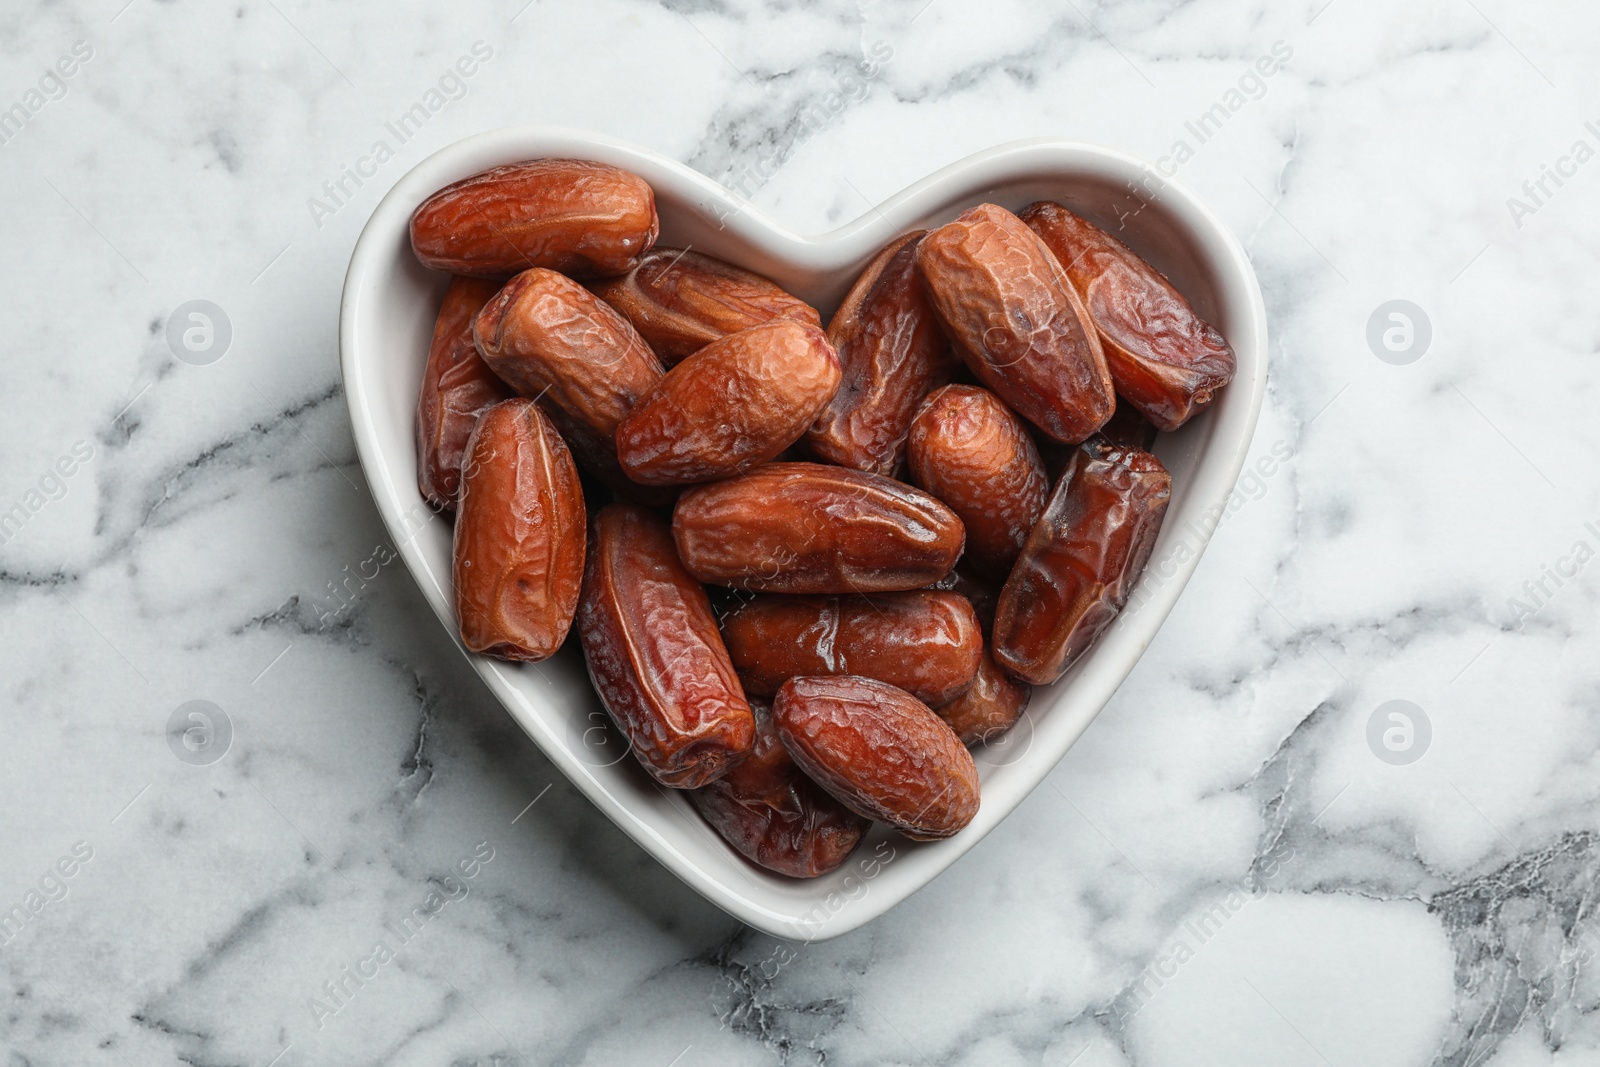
<point x="1229" y="433"/>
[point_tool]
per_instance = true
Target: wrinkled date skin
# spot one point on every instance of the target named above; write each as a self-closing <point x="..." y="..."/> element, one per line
<point x="775" y="816"/>
<point x="990" y="706"/>
<point x="1017" y="322"/>
<point x="550" y="338"/>
<point x="457" y="387"/>
<point x="1081" y="560"/>
<point x="927" y="643"/>
<point x="655" y="654"/>
<point x="893" y="353"/>
<point x="812" y="528"/>
<point x="680" y="301"/>
<point x="970" y="451"/>
<point x="574" y="216"/>
<point x="881" y="752"/>
<point x="1164" y="359"/>
<point x="736" y="403"/>
<point x="519" y="536"/>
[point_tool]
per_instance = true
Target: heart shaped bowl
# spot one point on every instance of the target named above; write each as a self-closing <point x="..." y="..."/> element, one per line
<point x="386" y="322"/>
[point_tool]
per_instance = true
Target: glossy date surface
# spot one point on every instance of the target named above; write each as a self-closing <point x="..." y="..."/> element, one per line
<point x="991" y="705"/>
<point x="972" y="453"/>
<point x="1016" y="321"/>
<point x="735" y="404"/>
<point x="880" y="752"/>
<point x="813" y="528"/>
<point x="927" y="643"/>
<point x="893" y="353"/>
<point x="457" y="387"/>
<point x="570" y="215"/>
<point x="552" y="340"/>
<point x="1164" y="358"/>
<point x="519" y="535"/>
<point x="776" y="817"/>
<point x="680" y="301"/>
<point x="1081" y="560"/>
<point x="655" y="654"/>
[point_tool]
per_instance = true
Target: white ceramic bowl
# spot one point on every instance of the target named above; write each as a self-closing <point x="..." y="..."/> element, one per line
<point x="387" y="320"/>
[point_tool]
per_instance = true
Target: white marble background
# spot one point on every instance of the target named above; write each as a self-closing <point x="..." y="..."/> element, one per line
<point x="1441" y="912"/>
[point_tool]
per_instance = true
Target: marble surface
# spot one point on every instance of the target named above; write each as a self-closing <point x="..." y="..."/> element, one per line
<point x="1231" y="867"/>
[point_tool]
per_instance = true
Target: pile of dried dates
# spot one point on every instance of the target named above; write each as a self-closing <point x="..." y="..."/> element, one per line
<point x="807" y="567"/>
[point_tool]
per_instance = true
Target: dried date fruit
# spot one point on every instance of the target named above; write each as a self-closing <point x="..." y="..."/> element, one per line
<point x="1164" y="359"/>
<point x="927" y="643"/>
<point x="570" y="215"/>
<point x="1017" y="322"/>
<point x="680" y="301"/>
<point x="775" y="816"/>
<point x="736" y="403"/>
<point x="991" y="705"/>
<point x="893" y="353"/>
<point x="551" y="339"/>
<point x="970" y="451"/>
<point x="880" y="751"/>
<point x="457" y="387"/>
<point x="1081" y="560"/>
<point x="519" y="536"/>
<point x="655" y="655"/>
<point x="812" y="528"/>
